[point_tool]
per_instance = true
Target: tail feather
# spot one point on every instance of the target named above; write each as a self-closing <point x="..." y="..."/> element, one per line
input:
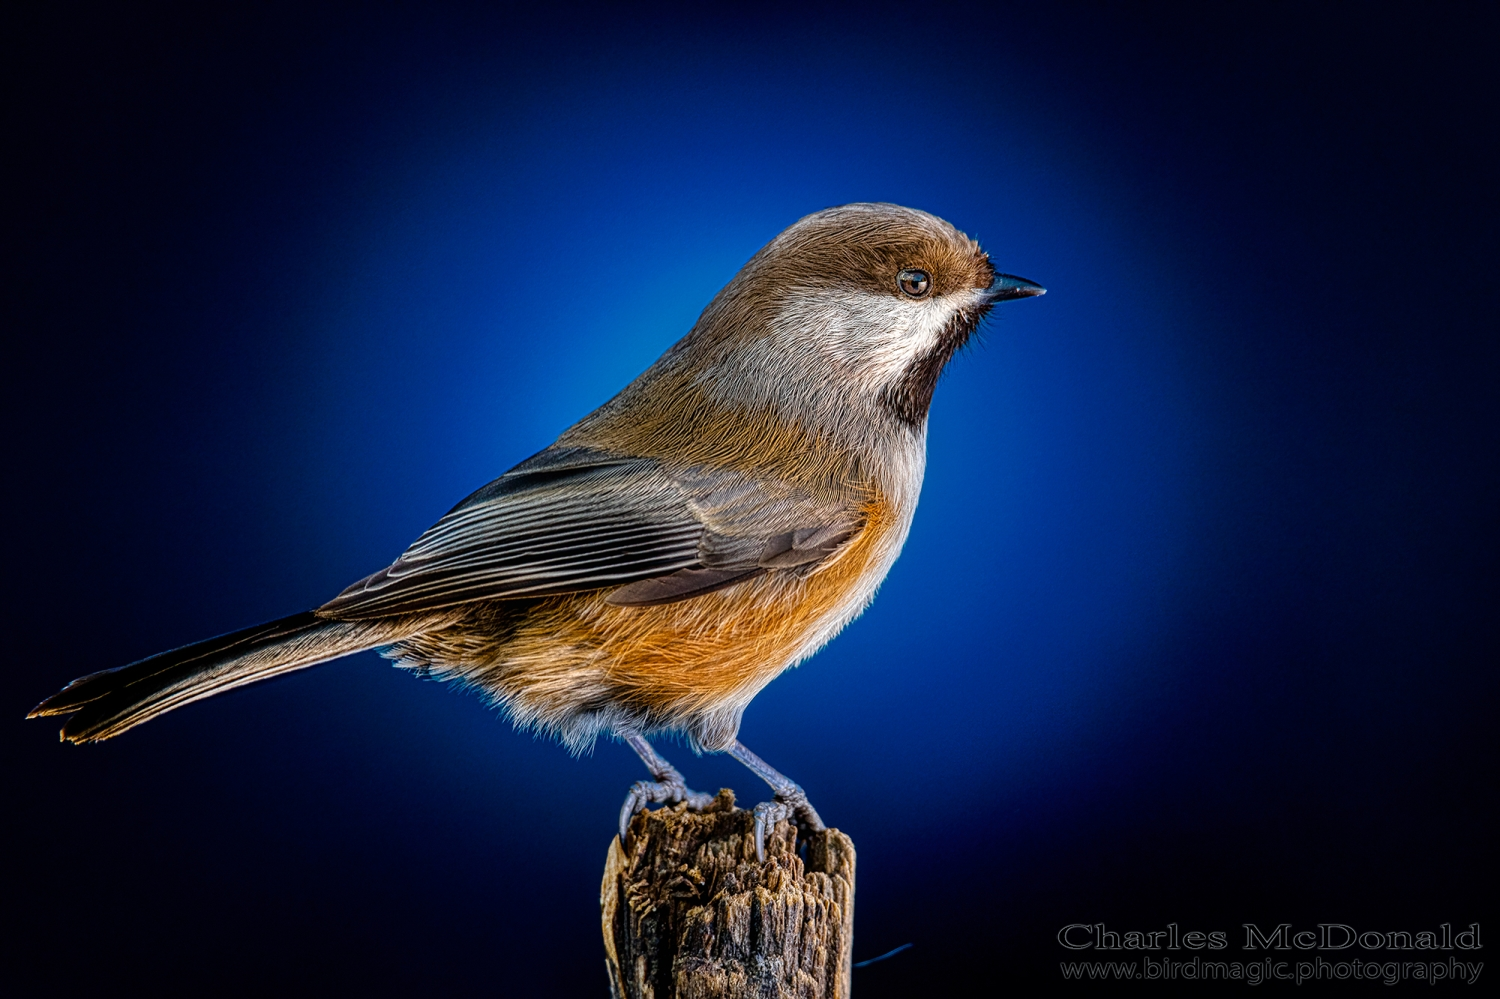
<point x="105" y="704"/>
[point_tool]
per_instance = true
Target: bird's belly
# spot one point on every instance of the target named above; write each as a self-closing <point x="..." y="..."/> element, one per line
<point x="578" y="665"/>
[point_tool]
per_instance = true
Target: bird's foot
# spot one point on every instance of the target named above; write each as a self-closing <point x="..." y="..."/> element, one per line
<point x="667" y="789"/>
<point x="790" y="803"/>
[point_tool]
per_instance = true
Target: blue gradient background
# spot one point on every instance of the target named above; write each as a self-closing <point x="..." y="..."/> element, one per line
<point x="1196" y="620"/>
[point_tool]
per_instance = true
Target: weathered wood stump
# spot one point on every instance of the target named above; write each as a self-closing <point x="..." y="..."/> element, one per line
<point x="689" y="913"/>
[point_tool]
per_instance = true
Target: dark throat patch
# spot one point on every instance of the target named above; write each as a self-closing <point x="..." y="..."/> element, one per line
<point x="911" y="396"/>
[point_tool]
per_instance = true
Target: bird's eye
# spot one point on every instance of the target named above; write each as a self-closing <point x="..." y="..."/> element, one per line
<point x="914" y="283"/>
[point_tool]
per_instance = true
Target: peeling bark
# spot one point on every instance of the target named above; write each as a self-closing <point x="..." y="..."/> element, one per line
<point x="689" y="913"/>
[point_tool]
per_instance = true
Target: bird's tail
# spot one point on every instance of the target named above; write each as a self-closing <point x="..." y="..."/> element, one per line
<point x="105" y="704"/>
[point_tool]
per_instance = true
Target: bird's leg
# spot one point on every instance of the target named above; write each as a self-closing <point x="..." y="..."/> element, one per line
<point x="791" y="801"/>
<point x="666" y="787"/>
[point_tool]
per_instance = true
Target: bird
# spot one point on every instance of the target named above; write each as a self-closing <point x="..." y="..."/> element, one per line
<point x="716" y="522"/>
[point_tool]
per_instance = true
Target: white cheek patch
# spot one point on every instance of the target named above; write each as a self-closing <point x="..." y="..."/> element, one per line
<point x="870" y="339"/>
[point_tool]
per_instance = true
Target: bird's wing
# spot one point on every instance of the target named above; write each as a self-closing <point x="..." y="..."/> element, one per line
<point x="575" y="519"/>
<point x="751" y="524"/>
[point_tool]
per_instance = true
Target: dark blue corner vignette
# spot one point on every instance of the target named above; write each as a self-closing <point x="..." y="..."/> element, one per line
<point x="1195" y="625"/>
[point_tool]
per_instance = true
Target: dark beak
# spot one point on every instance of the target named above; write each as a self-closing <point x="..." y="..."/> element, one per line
<point x="1007" y="286"/>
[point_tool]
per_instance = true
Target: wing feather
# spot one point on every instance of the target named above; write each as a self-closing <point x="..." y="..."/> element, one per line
<point x="573" y="519"/>
<point x="564" y="521"/>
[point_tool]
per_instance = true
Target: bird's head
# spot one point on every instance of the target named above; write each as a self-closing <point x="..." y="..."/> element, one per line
<point x="860" y="305"/>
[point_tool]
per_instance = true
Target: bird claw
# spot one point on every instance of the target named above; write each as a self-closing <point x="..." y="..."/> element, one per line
<point x="670" y="790"/>
<point x="791" y="804"/>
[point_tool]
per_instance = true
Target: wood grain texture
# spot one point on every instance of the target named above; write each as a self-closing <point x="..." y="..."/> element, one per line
<point x="689" y="913"/>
